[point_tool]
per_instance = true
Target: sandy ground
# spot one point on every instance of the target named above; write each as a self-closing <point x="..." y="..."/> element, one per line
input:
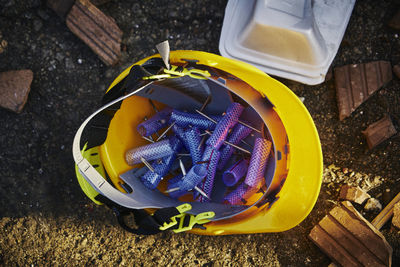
<point x="45" y="219"/>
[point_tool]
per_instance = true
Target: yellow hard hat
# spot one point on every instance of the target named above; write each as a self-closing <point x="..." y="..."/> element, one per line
<point x="294" y="172"/>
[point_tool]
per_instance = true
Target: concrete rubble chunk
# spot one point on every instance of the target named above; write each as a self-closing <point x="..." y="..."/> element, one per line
<point x="14" y="89"/>
<point x="350" y="240"/>
<point x="353" y="194"/>
<point x="97" y="30"/>
<point x="379" y="131"/>
<point x="357" y="82"/>
<point x="396" y="216"/>
<point x="395" y="21"/>
<point x="372" y="204"/>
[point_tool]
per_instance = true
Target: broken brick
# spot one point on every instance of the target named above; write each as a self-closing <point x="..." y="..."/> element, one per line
<point x="357" y="82"/>
<point x="396" y="216"/>
<point x="350" y="240"/>
<point x="97" y="30"/>
<point x="395" y="21"/>
<point x="14" y="89"/>
<point x="379" y="131"/>
<point x="353" y="194"/>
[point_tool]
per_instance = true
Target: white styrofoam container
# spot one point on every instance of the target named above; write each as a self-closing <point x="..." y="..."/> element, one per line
<point x="293" y="39"/>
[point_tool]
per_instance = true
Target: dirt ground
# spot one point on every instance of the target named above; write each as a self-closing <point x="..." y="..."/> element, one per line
<point x="45" y="219"/>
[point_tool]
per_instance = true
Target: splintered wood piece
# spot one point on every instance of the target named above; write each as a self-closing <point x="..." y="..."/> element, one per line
<point x="355" y="83"/>
<point x="350" y="240"/>
<point x="354" y="194"/>
<point x="61" y="7"/>
<point x="97" y="30"/>
<point x="14" y="89"/>
<point x="395" y="21"/>
<point x="379" y="131"/>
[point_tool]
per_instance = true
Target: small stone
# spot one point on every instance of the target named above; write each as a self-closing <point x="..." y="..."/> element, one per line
<point x="43" y="14"/>
<point x="354" y="194"/>
<point x="59" y="57"/>
<point x="4" y="43"/>
<point x="14" y="89"/>
<point x="37" y="25"/>
<point x="80" y="61"/>
<point x="372" y="204"/>
<point x="396" y="216"/>
<point x="68" y="63"/>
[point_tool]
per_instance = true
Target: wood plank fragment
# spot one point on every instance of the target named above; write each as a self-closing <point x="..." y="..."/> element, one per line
<point x="350" y="240"/>
<point x="61" y="7"/>
<point x="97" y="30"/>
<point x="356" y="83"/>
<point x="14" y="89"/>
<point x="332" y="248"/>
<point x="386" y="213"/>
<point x="379" y="131"/>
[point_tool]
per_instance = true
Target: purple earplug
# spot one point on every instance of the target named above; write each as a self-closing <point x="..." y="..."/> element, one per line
<point x="238" y="133"/>
<point x="207" y="185"/>
<point x="195" y="175"/>
<point x="235" y="172"/>
<point x="258" y="162"/>
<point x="151" y="179"/>
<point x="228" y="121"/>
<point x="149" y="152"/>
<point x="193" y="139"/>
<point x="155" y="123"/>
<point x="184" y="120"/>
<point x="238" y="195"/>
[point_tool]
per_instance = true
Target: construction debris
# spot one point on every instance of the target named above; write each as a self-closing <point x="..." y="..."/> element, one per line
<point x="395" y="21"/>
<point x="97" y="30"/>
<point x="350" y="240"/>
<point x="14" y="89"/>
<point x="379" y="131"/>
<point x="356" y="83"/>
<point x="396" y="216"/>
<point x="386" y="213"/>
<point x="372" y="204"/>
<point x="353" y="194"/>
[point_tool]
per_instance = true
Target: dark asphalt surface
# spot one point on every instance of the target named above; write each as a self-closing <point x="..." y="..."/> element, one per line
<point x="44" y="216"/>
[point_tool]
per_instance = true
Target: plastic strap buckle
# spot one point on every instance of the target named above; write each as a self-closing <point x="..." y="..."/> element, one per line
<point x="200" y="218"/>
<point x="181" y="209"/>
<point x="177" y="72"/>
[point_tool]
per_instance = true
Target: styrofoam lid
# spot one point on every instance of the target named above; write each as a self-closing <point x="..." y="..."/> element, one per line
<point x="293" y="39"/>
